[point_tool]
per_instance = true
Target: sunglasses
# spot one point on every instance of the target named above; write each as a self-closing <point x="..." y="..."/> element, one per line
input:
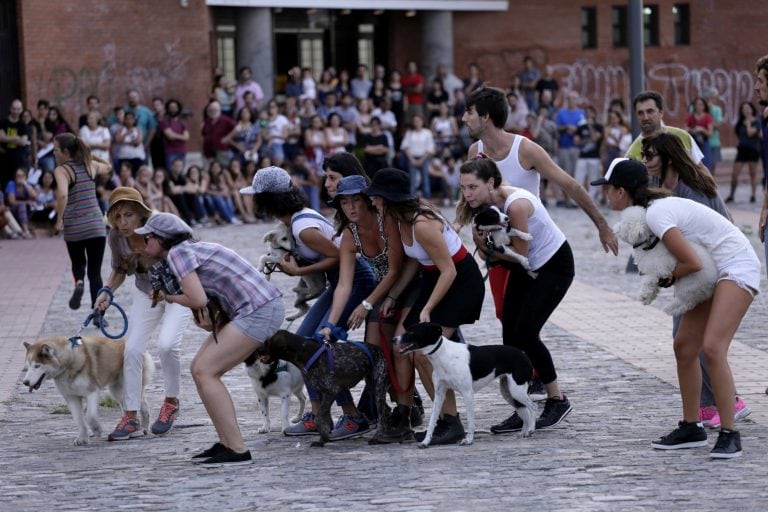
<point x="647" y="155"/>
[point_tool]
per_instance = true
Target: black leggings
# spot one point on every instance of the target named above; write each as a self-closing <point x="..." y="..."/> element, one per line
<point x="89" y="254"/>
<point x="529" y="302"/>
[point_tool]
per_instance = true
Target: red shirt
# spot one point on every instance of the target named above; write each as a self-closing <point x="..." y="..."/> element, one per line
<point x="213" y="132"/>
<point x="176" y="126"/>
<point x="410" y="84"/>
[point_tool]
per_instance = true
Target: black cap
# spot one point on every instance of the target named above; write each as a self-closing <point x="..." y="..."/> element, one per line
<point x="625" y="173"/>
<point x="393" y="185"/>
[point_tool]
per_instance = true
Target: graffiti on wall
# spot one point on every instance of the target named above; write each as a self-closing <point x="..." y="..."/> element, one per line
<point x="69" y="86"/>
<point x="677" y="83"/>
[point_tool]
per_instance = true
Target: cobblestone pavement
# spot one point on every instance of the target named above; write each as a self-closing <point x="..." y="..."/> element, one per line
<point x="614" y="361"/>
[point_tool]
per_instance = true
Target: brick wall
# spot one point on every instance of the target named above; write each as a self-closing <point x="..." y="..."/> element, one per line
<point x="104" y="47"/>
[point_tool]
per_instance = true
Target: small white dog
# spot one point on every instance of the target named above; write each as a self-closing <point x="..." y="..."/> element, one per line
<point x="276" y="379"/>
<point x="495" y="224"/>
<point x="655" y="262"/>
<point x="279" y="243"/>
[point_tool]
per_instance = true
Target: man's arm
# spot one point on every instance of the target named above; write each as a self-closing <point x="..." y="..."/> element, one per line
<point x="534" y="157"/>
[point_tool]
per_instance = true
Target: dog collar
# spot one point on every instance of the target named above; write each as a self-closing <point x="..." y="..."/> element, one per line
<point x="436" y="346"/>
<point x="75" y="341"/>
<point x="647" y="244"/>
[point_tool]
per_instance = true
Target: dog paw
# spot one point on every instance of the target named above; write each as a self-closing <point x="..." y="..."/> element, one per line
<point x="527" y="433"/>
<point x="317" y="444"/>
<point x="466" y="442"/>
<point x="423" y="445"/>
<point x="81" y="441"/>
<point x="263" y="430"/>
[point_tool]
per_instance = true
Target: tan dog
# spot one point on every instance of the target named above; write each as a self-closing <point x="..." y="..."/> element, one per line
<point x="80" y="371"/>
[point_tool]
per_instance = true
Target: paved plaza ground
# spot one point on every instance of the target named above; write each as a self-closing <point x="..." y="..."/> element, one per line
<point x="615" y="363"/>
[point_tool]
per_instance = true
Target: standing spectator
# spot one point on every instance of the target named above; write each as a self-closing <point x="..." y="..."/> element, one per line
<point x="375" y="148"/>
<point x="55" y="122"/>
<point x="92" y="104"/>
<point x="343" y="86"/>
<point x="14" y="139"/>
<point x="349" y="117"/>
<point x="615" y="133"/>
<point x="293" y="132"/>
<point x="590" y="141"/>
<point x="21" y="197"/>
<point x="78" y="214"/>
<point x="126" y="213"/>
<point x="445" y="129"/>
<point x="717" y="119"/>
<point x="175" y="133"/>
<point x="568" y="120"/>
<point x="437" y="95"/>
<point x="360" y="86"/>
<point x="473" y="82"/>
<point x="277" y="133"/>
<point x="34" y="137"/>
<point x="397" y="97"/>
<point x="95" y="136"/>
<point x="128" y="143"/>
<point x="224" y="93"/>
<point x="246" y="84"/>
<point x="326" y="86"/>
<point x="413" y="83"/>
<point x="449" y="80"/>
<point x="548" y="82"/>
<point x="700" y="125"/>
<point x="518" y="112"/>
<point x="315" y="142"/>
<point x="761" y="90"/>
<point x="747" y="150"/>
<point x="529" y="77"/>
<point x="294" y="87"/>
<point x="336" y="137"/>
<point x="145" y="118"/>
<point x="156" y="148"/>
<point x="215" y="128"/>
<point x="378" y="92"/>
<point x="328" y="107"/>
<point x="418" y="146"/>
<point x="308" y="85"/>
<point x="245" y="138"/>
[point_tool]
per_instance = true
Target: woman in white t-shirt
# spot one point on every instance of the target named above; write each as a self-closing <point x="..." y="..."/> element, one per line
<point x="710" y="326"/>
<point x="96" y="137"/>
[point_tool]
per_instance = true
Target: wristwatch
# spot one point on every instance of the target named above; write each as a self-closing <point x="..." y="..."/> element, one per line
<point x="367" y="305"/>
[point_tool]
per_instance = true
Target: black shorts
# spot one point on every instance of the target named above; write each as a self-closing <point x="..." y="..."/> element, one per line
<point x="747" y="154"/>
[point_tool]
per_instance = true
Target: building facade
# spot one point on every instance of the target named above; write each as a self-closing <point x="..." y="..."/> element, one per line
<point x="65" y="52"/>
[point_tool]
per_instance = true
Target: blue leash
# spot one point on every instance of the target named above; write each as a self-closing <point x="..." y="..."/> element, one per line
<point x="76" y="339"/>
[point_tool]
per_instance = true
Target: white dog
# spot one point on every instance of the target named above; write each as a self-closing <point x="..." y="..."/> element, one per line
<point x="495" y="224"/>
<point x="276" y="379"/>
<point x="80" y="370"/>
<point x="655" y="262"/>
<point x="279" y="243"/>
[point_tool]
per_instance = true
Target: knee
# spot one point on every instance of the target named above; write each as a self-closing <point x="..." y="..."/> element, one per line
<point x="685" y="351"/>
<point x="713" y="355"/>
<point x="198" y="371"/>
<point x="133" y="354"/>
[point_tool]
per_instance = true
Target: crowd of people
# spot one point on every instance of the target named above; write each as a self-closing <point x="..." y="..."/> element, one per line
<point x="378" y="152"/>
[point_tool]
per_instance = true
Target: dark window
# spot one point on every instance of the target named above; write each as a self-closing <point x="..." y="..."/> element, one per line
<point x="619" y="23"/>
<point x="651" y="25"/>
<point x="589" y="27"/>
<point x="682" y="15"/>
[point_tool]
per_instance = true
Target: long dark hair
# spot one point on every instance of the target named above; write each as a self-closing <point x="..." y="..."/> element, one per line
<point x="483" y="168"/>
<point x="407" y="211"/>
<point x="740" y="121"/>
<point x="345" y="164"/>
<point x="78" y="151"/>
<point x="342" y="221"/>
<point x="674" y="156"/>
<point x="642" y="195"/>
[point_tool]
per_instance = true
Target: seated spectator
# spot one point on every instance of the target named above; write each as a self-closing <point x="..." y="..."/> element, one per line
<point x="218" y="196"/>
<point x="21" y="197"/>
<point x="417" y="148"/>
<point x="245" y="138"/>
<point x="177" y="183"/>
<point x="437" y="95"/>
<point x="10" y="228"/>
<point x="160" y="193"/>
<point x="55" y="122"/>
<point x="437" y="182"/>
<point x="195" y="190"/>
<point x="44" y="210"/>
<point x="315" y="142"/>
<point x="125" y="175"/>
<point x="277" y="132"/>
<point x="142" y="183"/>
<point x="445" y="128"/>
<point x="235" y="181"/>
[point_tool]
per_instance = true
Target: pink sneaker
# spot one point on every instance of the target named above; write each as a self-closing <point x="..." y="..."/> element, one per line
<point x="740" y="411"/>
<point x="707" y="414"/>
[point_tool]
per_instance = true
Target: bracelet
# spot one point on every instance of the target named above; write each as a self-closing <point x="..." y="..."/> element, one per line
<point x="391" y="297"/>
<point x="367" y="305"/>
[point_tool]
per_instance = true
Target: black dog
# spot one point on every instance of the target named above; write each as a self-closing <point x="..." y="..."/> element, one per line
<point x="350" y="366"/>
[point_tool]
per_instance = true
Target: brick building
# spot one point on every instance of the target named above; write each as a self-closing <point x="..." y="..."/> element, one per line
<point x="64" y="51"/>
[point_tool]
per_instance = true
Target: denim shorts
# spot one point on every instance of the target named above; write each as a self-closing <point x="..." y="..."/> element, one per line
<point x="263" y="322"/>
<point x="744" y="270"/>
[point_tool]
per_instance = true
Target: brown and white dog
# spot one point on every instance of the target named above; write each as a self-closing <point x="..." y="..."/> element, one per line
<point x="80" y="371"/>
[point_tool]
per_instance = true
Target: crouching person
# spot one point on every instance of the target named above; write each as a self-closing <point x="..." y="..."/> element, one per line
<point x="244" y="309"/>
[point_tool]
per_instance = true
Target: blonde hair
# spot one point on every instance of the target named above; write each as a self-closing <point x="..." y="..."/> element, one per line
<point x="132" y="205"/>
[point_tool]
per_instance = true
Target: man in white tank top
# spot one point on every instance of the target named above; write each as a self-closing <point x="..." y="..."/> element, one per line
<point x="522" y="162"/>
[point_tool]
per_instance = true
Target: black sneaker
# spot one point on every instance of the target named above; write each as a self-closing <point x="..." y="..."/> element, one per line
<point x="555" y="411"/>
<point x="227" y="457"/>
<point x="728" y="445"/>
<point x="452" y="431"/>
<point x="686" y="435"/>
<point x="210" y="452"/>
<point x="417" y="410"/>
<point x="536" y="390"/>
<point x="511" y="424"/>
<point x="77" y="296"/>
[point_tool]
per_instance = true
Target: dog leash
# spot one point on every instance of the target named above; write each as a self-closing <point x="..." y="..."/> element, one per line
<point x="391" y="364"/>
<point x="77" y="340"/>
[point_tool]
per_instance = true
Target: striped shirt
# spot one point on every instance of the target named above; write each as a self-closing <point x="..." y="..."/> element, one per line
<point x="239" y="287"/>
<point x="82" y="216"/>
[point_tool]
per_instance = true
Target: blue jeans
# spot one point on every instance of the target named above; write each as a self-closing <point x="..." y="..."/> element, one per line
<point x="363" y="284"/>
<point x="221" y="205"/>
<point x="414" y="171"/>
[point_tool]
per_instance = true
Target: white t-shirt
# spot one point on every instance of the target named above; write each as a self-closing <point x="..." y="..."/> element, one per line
<point x="278" y="127"/>
<point x="310" y="219"/>
<point x="701" y="225"/>
<point x="419" y="142"/>
<point x="547" y="237"/>
<point x="97" y="136"/>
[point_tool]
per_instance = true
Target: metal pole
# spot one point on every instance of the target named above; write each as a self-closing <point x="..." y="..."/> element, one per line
<point x="636" y="59"/>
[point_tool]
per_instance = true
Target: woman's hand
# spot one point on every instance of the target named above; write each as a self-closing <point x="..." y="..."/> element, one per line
<point x="289" y="265"/>
<point x="102" y="301"/>
<point x="387" y="307"/>
<point x="357" y="317"/>
<point x="424" y="316"/>
<point x="59" y="227"/>
<point x="325" y="332"/>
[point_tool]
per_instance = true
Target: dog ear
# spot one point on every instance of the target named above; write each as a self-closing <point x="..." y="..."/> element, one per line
<point x="26" y="345"/>
<point x="268" y="237"/>
<point x="47" y="350"/>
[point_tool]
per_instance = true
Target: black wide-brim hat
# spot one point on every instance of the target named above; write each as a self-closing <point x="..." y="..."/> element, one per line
<point x="393" y="185"/>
